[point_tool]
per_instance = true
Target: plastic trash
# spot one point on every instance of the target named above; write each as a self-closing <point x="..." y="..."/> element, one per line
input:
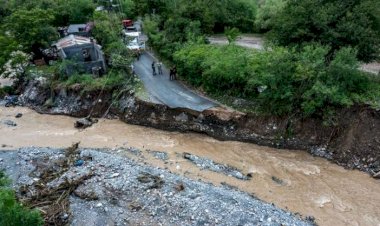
<point x="79" y="162"/>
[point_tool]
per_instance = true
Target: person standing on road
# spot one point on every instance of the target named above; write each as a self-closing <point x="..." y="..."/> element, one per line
<point x="154" y="68"/>
<point x="171" y="74"/>
<point x="174" y="73"/>
<point x="159" y="67"/>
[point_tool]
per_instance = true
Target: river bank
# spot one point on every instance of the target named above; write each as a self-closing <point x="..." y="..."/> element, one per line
<point x="112" y="190"/>
<point x="291" y="179"/>
<point x="353" y="141"/>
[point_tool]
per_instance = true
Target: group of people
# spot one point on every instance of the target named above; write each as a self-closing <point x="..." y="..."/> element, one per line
<point x="157" y="69"/>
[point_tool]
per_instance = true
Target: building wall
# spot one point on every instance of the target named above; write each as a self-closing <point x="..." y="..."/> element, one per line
<point x="75" y="53"/>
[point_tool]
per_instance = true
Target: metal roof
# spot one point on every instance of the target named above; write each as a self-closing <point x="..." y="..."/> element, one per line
<point x="72" y="40"/>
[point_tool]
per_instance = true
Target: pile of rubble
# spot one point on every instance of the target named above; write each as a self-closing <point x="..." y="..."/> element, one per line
<point x="97" y="187"/>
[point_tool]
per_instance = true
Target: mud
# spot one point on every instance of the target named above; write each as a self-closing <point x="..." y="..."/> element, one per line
<point x="290" y="179"/>
<point x="352" y="142"/>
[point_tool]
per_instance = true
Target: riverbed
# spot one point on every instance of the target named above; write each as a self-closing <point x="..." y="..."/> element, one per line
<point x="291" y="179"/>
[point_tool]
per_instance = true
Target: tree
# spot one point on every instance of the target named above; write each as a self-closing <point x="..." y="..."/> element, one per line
<point x="231" y="34"/>
<point x="16" y="65"/>
<point x="7" y="46"/>
<point x="350" y="23"/>
<point x="31" y="28"/>
<point x="266" y="11"/>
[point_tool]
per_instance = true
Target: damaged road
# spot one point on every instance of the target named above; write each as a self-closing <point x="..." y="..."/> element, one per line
<point x="107" y="189"/>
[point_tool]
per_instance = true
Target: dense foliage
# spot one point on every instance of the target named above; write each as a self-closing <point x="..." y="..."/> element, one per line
<point x="316" y="72"/>
<point x="13" y="213"/>
<point x="29" y="25"/>
<point x="170" y="23"/>
<point x="339" y="24"/>
<point x="280" y="81"/>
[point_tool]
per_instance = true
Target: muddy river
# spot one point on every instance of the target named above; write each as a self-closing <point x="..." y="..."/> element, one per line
<point x="309" y="185"/>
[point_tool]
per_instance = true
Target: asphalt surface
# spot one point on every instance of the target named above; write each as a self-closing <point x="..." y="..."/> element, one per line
<point x="171" y="93"/>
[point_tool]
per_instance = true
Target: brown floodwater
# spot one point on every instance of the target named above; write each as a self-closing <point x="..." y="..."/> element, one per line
<point x="311" y="186"/>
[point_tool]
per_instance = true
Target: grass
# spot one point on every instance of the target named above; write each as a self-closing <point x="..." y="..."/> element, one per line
<point x="141" y="92"/>
<point x="107" y="82"/>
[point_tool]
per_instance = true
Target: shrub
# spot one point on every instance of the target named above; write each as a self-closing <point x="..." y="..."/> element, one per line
<point x="13" y="213"/>
<point x="281" y="81"/>
<point x="334" y="23"/>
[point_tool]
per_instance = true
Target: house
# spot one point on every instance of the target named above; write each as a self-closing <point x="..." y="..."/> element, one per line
<point x="84" y="51"/>
<point x="80" y="29"/>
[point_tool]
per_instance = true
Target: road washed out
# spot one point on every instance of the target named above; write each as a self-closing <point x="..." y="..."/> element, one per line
<point x="292" y="180"/>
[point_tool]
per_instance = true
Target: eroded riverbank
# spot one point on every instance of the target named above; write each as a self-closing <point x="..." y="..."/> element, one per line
<point x="311" y="186"/>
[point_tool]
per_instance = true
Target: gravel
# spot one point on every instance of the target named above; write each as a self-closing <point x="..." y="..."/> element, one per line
<point x="208" y="164"/>
<point x="121" y="191"/>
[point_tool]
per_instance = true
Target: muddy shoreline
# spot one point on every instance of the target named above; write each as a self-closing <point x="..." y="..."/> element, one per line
<point x="353" y="143"/>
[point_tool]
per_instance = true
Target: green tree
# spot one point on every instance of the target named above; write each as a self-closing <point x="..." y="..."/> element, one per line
<point x="232" y="34"/>
<point x="336" y="23"/>
<point x="7" y="46"/>
<point x="266" y="11"/>
<point x="31" y="28"/>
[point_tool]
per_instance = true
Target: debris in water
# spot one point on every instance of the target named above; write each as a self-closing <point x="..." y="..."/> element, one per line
<point x="18" y="115"/>
<point x="84" y="122"/>
<point x="9" y="122"/>
<point x="208" y="164"/>
<point x="278" y="180"/>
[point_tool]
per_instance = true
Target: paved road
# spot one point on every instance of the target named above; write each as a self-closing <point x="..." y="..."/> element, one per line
<point x="170" y="93"/>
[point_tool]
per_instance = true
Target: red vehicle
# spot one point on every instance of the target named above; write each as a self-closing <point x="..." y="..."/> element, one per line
<point x="129" y="25"/>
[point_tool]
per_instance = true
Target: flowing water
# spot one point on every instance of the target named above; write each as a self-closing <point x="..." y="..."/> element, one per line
<point x="290" y="179"/>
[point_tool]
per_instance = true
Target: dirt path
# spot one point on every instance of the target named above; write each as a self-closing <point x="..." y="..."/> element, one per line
<point x="292" y="180"/>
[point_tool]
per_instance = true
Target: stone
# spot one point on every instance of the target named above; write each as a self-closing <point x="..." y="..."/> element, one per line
<point x="377" y="175"/>
<point x="18" y="115"/>
<point x="9" y="122"/>
<point x="84" y="123"/>
<point x="115" y="175"/>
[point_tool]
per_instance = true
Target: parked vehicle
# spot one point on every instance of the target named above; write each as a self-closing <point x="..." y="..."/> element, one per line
<point x="132" y="40"/>
<point x="129" y="25"/>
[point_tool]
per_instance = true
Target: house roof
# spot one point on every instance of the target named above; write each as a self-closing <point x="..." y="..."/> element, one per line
<point x="72" y="40"/>
<point x="80" y="27"/>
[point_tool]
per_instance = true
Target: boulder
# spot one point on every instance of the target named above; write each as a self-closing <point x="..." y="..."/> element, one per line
<point x="9" y="122"/>
<point x="84" y="122"/>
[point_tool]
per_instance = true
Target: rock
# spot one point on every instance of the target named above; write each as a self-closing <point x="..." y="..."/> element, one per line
<point x="65" y="216"/>
<point x="99" y="205"/>
<point x="18" y="115"/>
<point x="115" y="175"/>
<point x="377" y="175"/>
<point x="179" y="187"/>
<point x="11" y="101"/>
<point x="84" y="123"/>
<point x="9" y="122"/>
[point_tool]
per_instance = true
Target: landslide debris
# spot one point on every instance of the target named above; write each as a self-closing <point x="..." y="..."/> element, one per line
<point x="98" y="187"/>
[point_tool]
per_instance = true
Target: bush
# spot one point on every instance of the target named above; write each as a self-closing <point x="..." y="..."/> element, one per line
<point x="281" y="81"/>
<point x="334" y="23"/>
<point x="11" y="212"/>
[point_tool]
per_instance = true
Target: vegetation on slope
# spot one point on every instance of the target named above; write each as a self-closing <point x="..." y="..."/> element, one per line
<point x="306" y="76"/>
